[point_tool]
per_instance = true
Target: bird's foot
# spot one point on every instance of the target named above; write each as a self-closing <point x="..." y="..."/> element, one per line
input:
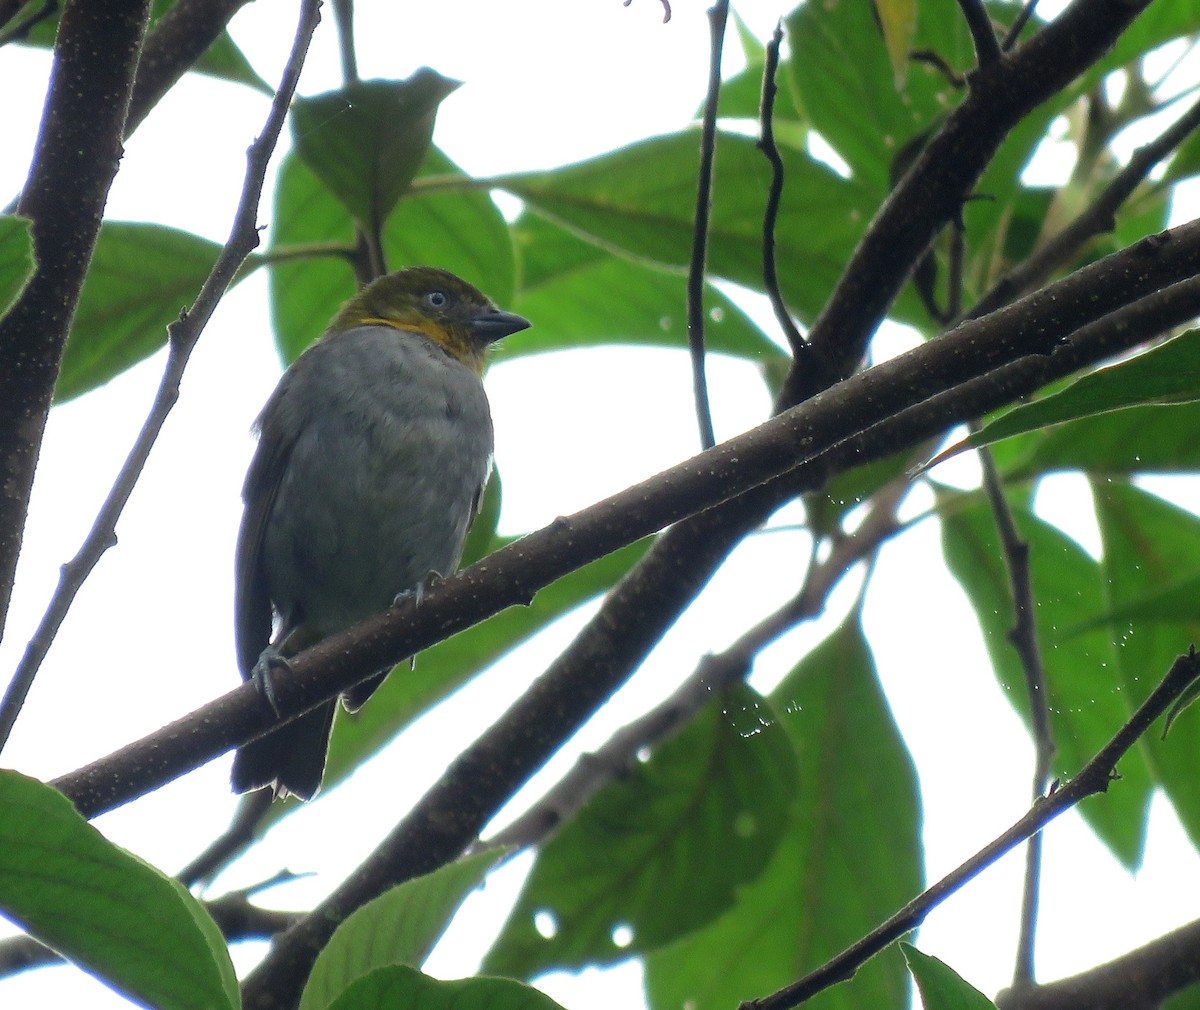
<point x="418" y="591"/>
<point x="270" y="658"/>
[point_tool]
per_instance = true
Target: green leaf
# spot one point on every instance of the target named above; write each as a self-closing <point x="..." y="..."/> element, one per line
<point x="567" y="293"/>
<point x="623" y="876"/>
<point x="17" y="261"/>
<point x="1151" y="439"/>
<point x="1147" y="543"/>
<point x="1086" y="699"/>
<point x="103" y="908"/>
<point x="640" y="202"/>
<point x="399" y="927"/>
<point x="366" y="141"/>
<point x="1165" y="374"/>
<point x="402" y="988"/>
<point x="851" y="857"/>
<point x="141" y="278"/>
<point x="312" y="236"/>
<point x="941" y="987"/>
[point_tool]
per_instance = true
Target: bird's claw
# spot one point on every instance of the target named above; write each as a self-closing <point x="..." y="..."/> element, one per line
<point x="417" y="591"/>
<point x="261" y="674"/>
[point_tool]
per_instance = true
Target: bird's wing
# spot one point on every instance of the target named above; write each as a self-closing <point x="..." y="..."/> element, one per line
<point x="252" y="598"/>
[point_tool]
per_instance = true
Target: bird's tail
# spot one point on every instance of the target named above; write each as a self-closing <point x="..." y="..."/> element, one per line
<point x="290" y="759"/>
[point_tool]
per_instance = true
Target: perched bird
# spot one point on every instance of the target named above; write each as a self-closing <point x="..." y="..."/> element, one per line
<point x="372" y="457"/>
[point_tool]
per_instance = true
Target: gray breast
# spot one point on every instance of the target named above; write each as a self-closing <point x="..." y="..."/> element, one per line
<point x="395" y="445"/>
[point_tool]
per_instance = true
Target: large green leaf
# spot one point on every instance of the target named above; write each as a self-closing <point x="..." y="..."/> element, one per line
<point x="105" y="909"/>
<point x="1147" y="544"/>
<point x="1086" y="698"/>
<point x="142" y="276"/>
<point x="458" y="230"/>
<point x="400" y="987"/>
<point x="659" y="852"/>
<point x="17" y="261"/>
<point x="399" y="927"/>
<point x="568" y="288"/>
<point x="640" y="201"/>
<point x="366" y="140"/>
<point x="852" y="855"/>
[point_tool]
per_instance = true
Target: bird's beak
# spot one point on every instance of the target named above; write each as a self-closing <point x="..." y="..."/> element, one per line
<point x="497" y="323"/>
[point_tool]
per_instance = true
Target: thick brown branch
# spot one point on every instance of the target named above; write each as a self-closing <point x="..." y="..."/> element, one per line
<point x="77" y="154"/>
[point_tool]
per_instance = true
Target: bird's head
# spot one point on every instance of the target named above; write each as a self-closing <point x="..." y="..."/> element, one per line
<point x="448" y="310"/>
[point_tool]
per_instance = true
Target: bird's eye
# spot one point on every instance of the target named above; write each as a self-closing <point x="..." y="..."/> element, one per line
<point x="436" y="298"/>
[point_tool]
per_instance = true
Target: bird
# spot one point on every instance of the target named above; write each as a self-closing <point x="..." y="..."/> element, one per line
<point x="373" y="453"/>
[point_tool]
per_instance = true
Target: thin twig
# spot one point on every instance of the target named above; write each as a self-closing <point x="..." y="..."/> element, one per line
<point x="987" y="48"/>
<point x="713" y="673"/>
<point x="767" y="145"/>
<point x="718" y="14"/>
<point x="1092" y="779"/>
<point x="343" y="17"/>
<point x="182" y="337"/>
<point x="1024" y="638"/>
<point x="1018" y="25"/>
<point x="1099" y="217"/>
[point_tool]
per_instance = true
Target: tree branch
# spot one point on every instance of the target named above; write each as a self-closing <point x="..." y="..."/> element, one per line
<point x="77" y="154"/>
<point x="770" y="149"/>
<point x="987" y="48"/>
<point x="718" y="14"/>
<point x="1025" y="640"/>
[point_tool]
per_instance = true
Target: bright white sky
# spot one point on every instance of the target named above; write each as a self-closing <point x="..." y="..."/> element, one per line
<point x="546" y="83"/>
